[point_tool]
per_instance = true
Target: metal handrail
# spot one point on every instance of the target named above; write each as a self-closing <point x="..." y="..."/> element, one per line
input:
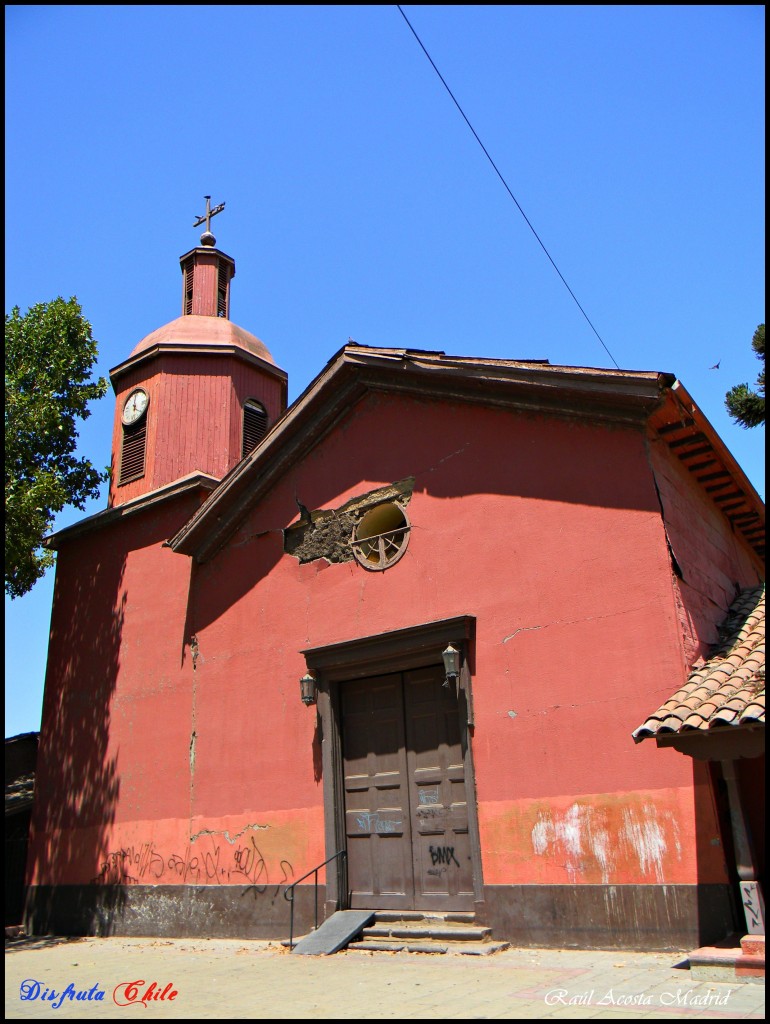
<point x="290" y="889"/>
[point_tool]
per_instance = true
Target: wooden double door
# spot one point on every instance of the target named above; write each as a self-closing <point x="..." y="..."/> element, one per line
<point x="406" y="811"/>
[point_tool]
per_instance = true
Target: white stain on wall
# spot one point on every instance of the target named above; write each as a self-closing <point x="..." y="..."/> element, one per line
<point x="570" y="830"/>
<point x="649" y="837"/>
<point x="600" y="844"/>
<point x="582" y="840"/>
<point x="542" y="834"/>
<point x="563" y="834"/>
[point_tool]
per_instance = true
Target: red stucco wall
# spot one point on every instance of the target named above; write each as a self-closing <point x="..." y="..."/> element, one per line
<point x="548" y="531"/>
<point x="116" y="717"/>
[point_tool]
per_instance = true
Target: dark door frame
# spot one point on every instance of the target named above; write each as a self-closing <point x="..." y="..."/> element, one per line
<point x="396" y="651"/>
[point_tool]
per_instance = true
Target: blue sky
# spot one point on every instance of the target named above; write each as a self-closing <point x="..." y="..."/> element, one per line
<point x="358" y="204"/>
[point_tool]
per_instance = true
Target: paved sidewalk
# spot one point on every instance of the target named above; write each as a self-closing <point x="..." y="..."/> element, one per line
<point x="241" y="980"/>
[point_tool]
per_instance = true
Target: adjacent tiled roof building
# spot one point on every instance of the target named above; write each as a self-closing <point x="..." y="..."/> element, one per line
<point x="20" y="758"/>
<point x="729" y="689"/>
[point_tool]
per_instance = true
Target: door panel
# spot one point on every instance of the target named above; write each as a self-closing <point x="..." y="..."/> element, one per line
<point x="406" y="815"/>
<point x="443" y="875"/>
<point x="377" y="822"/>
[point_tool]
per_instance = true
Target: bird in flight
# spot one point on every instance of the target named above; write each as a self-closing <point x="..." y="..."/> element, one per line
<point x="715" y="366"/>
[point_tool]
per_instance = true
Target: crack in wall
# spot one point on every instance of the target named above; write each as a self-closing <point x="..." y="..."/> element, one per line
<point x="225" y="833"/>
<point x="675" y="566"/>
<point x="521" y="629"/>
<point x="446" y="458"/>
<point x="574" y="622"/>
<point x="193" y="743"/>
<point x="194" y="650"/>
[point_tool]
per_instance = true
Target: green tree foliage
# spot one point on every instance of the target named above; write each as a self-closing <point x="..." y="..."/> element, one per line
<point x="743" y="404"/>
<point x="49" y="354"/>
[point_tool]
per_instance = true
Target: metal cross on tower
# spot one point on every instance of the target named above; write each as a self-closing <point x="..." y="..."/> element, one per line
<point x="207" y="218"/>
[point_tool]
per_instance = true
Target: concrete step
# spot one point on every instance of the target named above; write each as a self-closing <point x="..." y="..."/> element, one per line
<point x="427" y="946"/>
<point x="417" y="932"/>
<point x="457" y="917"/>
<point x="425" y="930"/>
<point x="730" y="961"/>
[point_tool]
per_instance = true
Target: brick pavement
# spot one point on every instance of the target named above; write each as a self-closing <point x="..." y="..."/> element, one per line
<point x="241" y="980"/>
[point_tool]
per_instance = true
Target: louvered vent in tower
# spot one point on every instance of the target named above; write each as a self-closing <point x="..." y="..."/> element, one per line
<point x="222" y="289"/>
<point x="254" y="426"/>
<point x="132" y="455"/>
<point x="188" y="288"/>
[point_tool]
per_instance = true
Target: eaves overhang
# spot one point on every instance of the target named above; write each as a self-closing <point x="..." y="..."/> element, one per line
<point x="689" y="436"/>
<point x="725" y="743"/>
<point x="193" y="482"/>
<point x="615" y="396"/>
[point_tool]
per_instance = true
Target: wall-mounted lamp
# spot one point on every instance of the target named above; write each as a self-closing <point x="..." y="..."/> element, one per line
<point x="451" y="658"/>
<point x="307" y="689"/>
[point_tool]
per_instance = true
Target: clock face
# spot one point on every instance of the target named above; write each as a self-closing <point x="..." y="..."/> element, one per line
<point x="136" y="406"/>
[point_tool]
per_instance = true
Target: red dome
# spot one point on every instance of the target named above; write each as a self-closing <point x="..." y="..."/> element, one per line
<point x="204" y="330"/>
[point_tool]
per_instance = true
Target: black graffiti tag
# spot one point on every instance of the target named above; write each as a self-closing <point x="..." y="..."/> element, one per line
<point x="443" y="855"/>
<point x="217" y="864"/>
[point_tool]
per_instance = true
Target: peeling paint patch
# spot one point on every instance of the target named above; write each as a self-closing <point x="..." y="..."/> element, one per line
<point x="193" y="740"/>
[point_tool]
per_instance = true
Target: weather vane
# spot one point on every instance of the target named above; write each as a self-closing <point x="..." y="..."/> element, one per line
<point x="207" y="238"/>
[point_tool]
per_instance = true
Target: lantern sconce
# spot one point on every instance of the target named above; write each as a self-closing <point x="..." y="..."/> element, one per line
<point x="308" y="690"/>
<point x="451" y="658"/>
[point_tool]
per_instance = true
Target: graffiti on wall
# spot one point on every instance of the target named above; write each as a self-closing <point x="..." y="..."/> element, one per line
<point x="443" y="855"/>
<point x="370" y="821"/>
<point x="753" y="907"/>
<point x="219" y="864"/>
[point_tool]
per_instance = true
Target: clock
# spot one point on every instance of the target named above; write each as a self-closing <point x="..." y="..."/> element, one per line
<point x="136" y="406"/>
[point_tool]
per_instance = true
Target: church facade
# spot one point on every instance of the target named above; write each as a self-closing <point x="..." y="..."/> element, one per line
<point x="405" y="626"/>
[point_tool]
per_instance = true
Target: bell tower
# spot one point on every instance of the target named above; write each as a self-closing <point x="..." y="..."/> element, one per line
<point x="197" y="394"/>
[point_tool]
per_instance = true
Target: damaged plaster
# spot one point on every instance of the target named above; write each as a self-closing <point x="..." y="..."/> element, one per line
<point x="326" y="533"/>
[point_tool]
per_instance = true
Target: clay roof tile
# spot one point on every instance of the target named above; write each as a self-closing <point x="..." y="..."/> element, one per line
<point x="728" y="690"/>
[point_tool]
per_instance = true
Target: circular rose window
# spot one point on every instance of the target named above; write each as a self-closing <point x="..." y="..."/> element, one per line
<point x="380" y="538"/>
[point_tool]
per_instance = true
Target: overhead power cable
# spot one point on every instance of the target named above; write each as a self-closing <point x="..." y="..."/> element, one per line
<point x="507" y="187"/>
